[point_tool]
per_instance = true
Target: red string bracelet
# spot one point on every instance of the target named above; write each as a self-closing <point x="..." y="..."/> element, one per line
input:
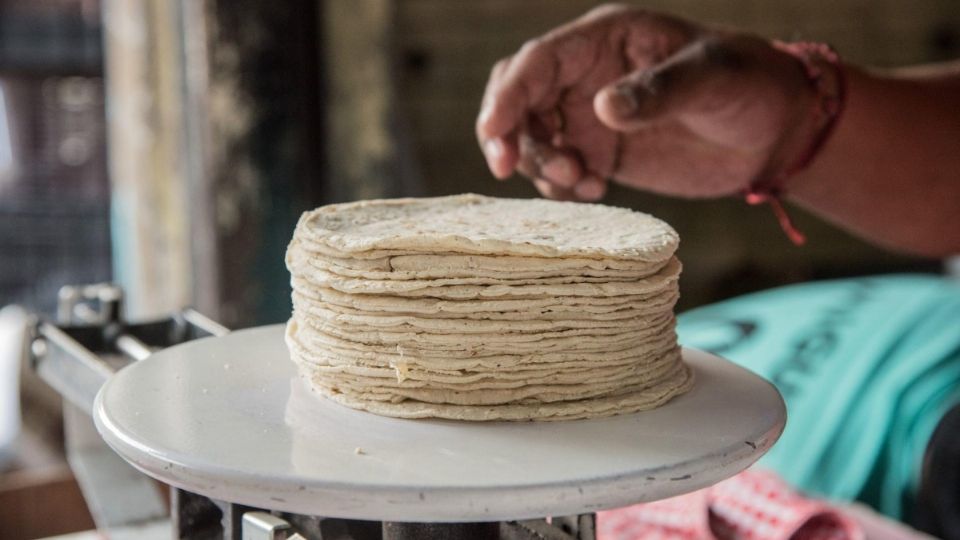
<point x="827" y="107"/>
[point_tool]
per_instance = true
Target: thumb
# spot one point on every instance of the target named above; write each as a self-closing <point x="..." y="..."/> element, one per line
<point x="691" y="81"/>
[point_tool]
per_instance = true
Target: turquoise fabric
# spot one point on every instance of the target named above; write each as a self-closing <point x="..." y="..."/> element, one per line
<point x="867" y="367"/>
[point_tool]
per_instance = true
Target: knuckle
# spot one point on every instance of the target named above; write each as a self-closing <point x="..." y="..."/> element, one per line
<point x="529" y="47"/>
<point x="499" y="67"/>
<point x="656" y="82"/>
<point x="610" y="9"/>
<point x="719" y="53"/>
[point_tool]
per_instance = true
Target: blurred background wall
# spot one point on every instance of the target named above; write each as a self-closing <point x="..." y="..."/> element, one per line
<point x="170" y="145"/>
<point x="218" y="122"/>
<point x="54" y="193"/>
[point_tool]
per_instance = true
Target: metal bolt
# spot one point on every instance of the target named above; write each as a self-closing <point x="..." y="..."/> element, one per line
<point x="38" y="349"/>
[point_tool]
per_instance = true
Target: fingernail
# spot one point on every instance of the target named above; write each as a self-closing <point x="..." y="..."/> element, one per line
<point x="494" y="151"/>
<point x="485" y="111"/>
<point x="589" y="190"/>
<point x="623" y="100"/>
<point x="493" y="148"/>
<point x="559" y="171"/>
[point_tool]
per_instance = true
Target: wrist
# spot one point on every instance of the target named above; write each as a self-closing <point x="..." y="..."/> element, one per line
<point x="821" y="105"/>
<point x="826" y="79"/>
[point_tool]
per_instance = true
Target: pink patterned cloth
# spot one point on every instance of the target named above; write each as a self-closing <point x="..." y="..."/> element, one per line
<point x="753" y="505"/>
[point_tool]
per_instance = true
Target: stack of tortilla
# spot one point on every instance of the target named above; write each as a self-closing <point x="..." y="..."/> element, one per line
<point x="478" y="308"/>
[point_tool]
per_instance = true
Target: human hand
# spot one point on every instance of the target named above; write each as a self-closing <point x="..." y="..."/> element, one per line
<point x="647" y="100"/>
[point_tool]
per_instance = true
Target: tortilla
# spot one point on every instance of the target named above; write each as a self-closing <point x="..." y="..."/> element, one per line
<point x="474" y="224"/>
<point x="476" y="308"/>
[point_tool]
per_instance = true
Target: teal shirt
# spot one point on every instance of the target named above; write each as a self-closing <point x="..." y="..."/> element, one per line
<point x="867" y="368"/>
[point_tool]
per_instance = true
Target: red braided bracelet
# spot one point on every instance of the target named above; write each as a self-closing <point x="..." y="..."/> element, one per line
<point x="827" y="108"/>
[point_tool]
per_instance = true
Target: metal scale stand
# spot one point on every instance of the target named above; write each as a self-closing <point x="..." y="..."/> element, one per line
<point x="252" y="453"/>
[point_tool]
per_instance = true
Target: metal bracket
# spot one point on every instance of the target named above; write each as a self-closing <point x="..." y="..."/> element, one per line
<point x="90" y="340"/>
<point x="76" y="356"/>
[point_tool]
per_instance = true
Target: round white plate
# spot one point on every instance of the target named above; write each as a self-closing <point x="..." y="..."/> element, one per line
<point x="229" y="419"/>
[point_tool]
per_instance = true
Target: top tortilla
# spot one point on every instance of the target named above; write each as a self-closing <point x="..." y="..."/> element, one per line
<point x="475" y="224"/>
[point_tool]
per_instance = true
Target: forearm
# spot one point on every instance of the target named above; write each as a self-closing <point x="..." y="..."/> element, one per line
<point x="891" y="170"/>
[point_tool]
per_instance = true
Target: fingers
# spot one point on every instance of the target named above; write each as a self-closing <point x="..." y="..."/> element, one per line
<point x="590" y="188"/>
<point x="534" y="79"/>
<point x="502" y="156"/>
<point x="552" y="191"/>
<point x="544" y="69"/>
<point x="500" y="152"/>
<point x="586" y="190"/>
<point x="689" y="82"/>
<point x="558" y="173"/>
<point x="518" y="86"/>
<point x="544" y="161"/>
<point x="495" y="109"/>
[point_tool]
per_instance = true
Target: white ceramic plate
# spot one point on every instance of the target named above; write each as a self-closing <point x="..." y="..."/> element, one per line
<point x="228" y="418"/>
